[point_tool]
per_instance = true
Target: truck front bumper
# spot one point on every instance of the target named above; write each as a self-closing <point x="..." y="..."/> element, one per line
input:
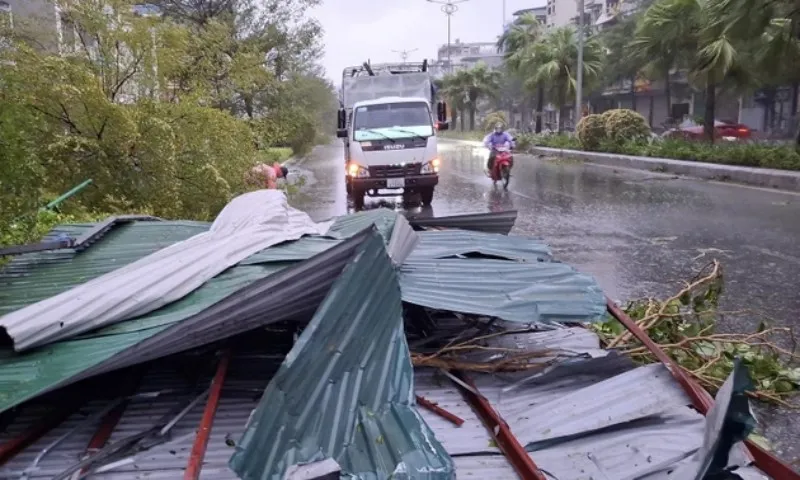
<point x="409" y="184"/>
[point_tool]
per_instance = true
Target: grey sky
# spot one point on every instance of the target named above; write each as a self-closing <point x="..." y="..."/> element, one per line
<point x="356" y="30"/>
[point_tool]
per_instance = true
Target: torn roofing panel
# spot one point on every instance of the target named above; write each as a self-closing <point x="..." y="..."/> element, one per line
<point x="242" y="298"/>
<point x="28" y="279"/>
<point x="518" y="292"/>
<point x="493" y="222"/>
<point x="348" y="225"/>
<point x="248" y="224"/>
<point x="345" y="391"/>
<point x="452" y="243"/>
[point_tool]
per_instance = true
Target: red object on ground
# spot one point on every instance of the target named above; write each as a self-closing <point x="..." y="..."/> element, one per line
<point x="435" y="408"/>
<point x="737" y="131"/>
<point x="701" y="399"/>
<point x="498" y="428"/>
<point x="204" y="430"/>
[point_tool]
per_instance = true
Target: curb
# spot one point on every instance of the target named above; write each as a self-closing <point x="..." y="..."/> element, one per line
<point x="757" y="177"/>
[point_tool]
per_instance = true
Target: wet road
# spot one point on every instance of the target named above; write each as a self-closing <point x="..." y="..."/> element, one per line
<point x="639" y="233"/>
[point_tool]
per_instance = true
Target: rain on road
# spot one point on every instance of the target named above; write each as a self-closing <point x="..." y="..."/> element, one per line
<point x="639" y="233"/>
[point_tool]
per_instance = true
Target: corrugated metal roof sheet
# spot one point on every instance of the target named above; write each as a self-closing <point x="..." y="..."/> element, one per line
<point x="296" y="291"/>
<point x="34" y="277"/>
<point x="345" y="391"/>
<point x="248" y="224"/>
<point x="518" y="292"/>
<point x="453" y="243"/>
<point x="493" y="222"/>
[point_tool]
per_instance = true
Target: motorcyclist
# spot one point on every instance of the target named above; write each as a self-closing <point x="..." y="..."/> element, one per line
<point x="497" y="138"/>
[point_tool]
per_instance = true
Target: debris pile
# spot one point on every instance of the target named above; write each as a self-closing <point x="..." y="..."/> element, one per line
<point x="369" y="347"/>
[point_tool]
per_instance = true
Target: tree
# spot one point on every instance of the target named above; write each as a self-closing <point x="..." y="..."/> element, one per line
<point x="620" y="63"/>
<point x="690" y="29"/>
<point x="775" y="25"/>
<point x="517" y="44"/>
<point x="453" y="87"/>
<point x="479" y="82"/>
<point x="556" y="60"/>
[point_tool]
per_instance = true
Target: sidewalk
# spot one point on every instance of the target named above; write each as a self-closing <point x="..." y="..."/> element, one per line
<point x="759" y="177"/>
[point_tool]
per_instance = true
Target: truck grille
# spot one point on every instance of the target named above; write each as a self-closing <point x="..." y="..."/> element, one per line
<point x="383" y="171"/>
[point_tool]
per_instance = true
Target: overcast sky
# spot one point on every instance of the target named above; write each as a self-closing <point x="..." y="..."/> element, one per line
<point x="357" y="30"/>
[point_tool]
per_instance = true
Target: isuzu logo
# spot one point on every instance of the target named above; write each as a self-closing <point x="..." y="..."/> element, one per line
<point x="395" y="146"/>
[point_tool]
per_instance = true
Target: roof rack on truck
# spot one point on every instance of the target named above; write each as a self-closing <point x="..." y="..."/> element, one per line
<point x="370" y="69"/>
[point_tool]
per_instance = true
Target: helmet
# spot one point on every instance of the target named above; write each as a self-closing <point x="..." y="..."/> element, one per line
<point x="284" y="171"/>
<point x="498" y="127"/>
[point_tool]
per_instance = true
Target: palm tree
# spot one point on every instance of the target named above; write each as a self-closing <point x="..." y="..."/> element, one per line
<point x="776" y="26"/>
<point x="480" y="82"/>
<point x="454" y="88"/>
<point x="691" y="29"/>
<point x="556" y="64"/>
<point x="620" y="64"/>
<point x="516" y="43"/>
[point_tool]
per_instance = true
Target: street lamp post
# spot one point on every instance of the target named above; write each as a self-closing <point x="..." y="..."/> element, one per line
<point x="404" y="53"/>
<point x="449" y="8"/>
<point x="579" y="79"/>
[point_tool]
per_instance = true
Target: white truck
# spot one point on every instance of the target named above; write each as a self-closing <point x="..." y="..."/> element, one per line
<point x="389" y="131"/>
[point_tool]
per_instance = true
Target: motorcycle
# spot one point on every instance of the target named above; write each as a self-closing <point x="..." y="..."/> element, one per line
<point x="501" y="171"/>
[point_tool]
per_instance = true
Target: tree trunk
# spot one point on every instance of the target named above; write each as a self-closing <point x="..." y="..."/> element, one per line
<point x="454" y="117"/>
<point x="561" y="119"/>
<point x="539" y="107"/>
<point x="462" y="115"/>
<point x="633" y="92"/>
<point x="668" y="96"/>
<point x="708" y="117"/>
<point x="472" y="117"/>
<point x="652" y="107"/>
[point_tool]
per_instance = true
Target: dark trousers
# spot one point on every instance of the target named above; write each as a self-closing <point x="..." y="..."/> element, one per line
<point x="490" y="162"/>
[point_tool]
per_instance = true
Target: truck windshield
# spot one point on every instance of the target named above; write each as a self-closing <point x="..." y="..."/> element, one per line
<point x="396" y="120"/>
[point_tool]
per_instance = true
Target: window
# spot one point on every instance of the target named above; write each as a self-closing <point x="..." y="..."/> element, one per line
<point x="392" y="116"/>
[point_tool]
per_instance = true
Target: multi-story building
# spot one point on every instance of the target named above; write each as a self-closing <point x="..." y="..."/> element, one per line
<point x="467" y="55"/>
<point x="539" y="12"/>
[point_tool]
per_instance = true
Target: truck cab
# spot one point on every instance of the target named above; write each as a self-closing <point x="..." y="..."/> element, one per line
<point x="391" y="148"/>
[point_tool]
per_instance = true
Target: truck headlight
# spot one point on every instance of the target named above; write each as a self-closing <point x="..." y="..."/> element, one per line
<point x="355" y="170"/>
<point x="430" y="167"/>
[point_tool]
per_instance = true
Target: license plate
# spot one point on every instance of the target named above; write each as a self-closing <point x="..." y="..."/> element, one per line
<point x="395" y="182"/>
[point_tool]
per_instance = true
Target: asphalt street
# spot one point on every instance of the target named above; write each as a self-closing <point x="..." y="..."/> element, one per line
<point x="639" y="233"/>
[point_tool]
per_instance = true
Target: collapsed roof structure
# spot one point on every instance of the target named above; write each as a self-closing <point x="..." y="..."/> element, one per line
<point x="284" y="350"/>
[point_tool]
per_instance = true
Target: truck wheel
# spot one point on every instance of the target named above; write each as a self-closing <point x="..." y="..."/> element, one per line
<point x="426" y="195"/>
<point x="358" y="199"/>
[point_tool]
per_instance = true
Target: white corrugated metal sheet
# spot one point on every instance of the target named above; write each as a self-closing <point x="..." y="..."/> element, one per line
<point x="248" y="224"/>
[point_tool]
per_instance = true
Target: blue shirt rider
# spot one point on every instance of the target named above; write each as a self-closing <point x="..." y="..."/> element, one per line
<point x="496" y="138"/>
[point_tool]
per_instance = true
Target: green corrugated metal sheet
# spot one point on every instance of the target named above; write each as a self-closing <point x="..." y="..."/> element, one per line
<point x="34" y="277"/>
<point x="525" y="292"/>
<point x="345" y="391"/>
<point x="349" y="225"/>
<point x="23" y="376"/>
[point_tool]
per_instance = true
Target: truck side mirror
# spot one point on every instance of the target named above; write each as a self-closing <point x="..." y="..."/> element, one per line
<point x="441" y="111"/>
<point x="442" y="126"/>
<point x="341" y="119"/>
<point x="341" y="133"/>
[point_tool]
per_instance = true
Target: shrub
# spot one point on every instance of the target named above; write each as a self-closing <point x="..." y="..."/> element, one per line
<point x="624" y="125"/>
<point x="591" y="130"/>
<point x="492" y="118"/>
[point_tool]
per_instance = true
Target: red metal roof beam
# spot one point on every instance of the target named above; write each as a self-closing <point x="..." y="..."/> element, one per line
<point x="701" y="399"/>
<point x="204" y="430"/>
<point x="435" y="408"/>
<point x="498" y="428"/>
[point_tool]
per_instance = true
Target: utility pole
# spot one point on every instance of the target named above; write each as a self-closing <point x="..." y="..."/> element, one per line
<point x="449" y="8"/>
<point x="404" y="53"/>
<point x="579" y="79"/>
<point x="503" y="26"/>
